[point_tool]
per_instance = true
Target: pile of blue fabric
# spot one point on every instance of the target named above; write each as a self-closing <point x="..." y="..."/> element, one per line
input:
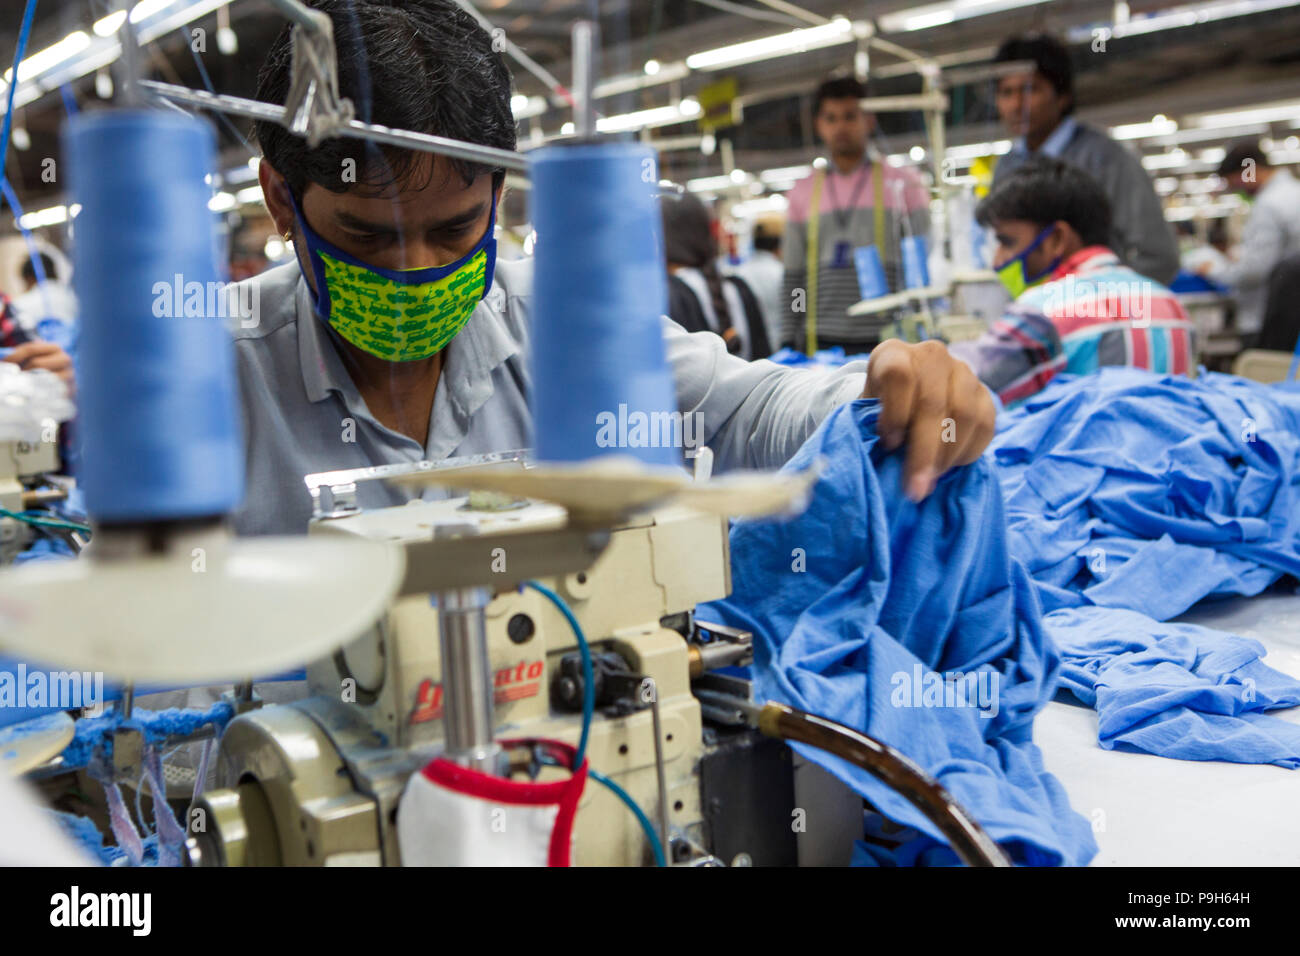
<point x="1132" y="496"/>
<point x="1149" y="492"/>
<point x="1113" y="502"/>
<point x="863" y="605"/>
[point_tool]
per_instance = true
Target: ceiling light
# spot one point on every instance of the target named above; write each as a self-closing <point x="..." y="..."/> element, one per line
<point x="839" y="30"/>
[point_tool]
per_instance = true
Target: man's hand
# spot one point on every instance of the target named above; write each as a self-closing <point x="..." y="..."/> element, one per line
<point x="935" y="402"/>
<point x="44" y="355"/>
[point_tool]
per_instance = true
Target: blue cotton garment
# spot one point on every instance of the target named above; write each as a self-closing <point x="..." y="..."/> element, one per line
<point x="858" y="605"/>
<point x="1129" y="489"/>
<point x="1176" y="690"/>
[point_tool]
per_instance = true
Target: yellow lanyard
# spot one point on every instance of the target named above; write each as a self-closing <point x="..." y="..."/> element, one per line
<point x="814" y="220"/>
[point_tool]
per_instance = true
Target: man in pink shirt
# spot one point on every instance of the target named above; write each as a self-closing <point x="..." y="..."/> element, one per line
<point x="860" y="201"/>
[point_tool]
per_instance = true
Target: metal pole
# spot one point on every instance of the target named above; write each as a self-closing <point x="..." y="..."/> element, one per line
<point x="651" y="689"/>
<point x="584" y="79"/>
<point x="426" y="142"/>
<point x="467" y="687"/>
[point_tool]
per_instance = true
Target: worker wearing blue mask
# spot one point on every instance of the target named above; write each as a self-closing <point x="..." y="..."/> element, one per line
<point x="397" y="336"/>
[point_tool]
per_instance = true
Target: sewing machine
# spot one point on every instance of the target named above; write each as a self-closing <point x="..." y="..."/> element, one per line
<point x="317" y="781"/>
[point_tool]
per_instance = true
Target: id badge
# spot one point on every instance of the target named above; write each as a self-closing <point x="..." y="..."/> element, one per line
<point x="842" y="257"/>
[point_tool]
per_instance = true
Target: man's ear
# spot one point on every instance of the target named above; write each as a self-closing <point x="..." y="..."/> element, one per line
<point x="275" y="192"/>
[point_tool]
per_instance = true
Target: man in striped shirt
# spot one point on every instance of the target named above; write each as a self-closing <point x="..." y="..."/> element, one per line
<point x="855" y="201"/>
<point x="1076" y="306"/>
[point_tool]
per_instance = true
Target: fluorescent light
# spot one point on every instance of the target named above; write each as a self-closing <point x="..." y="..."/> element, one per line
<point x="1200" y="135"/>
<point x="222" y="202"/>
<point x="253" y="194"/>
<point x="837" y="31"/>
<point x="630" y="82"/>
<point x="1287" y="110"/>
<point x="107" y="26"/>
<point x="524" y="107"/>
<point x="1159" y="126"/>
<point x="645" y="119"/>
<point x="738" y="176"/>
<point x="1184" y="16"/>
<point x="784" y="173"/>
<point x="709" y="183"/>
<point x="567" y="129"/>
<point x="937" y="14"/>
<point x="51" y="56"/>
<point x="651" y="67"/>
<point x="44" y="217"/>
<point x="977" y="150"/>
<point x="147" y="8"/>
<point x="917" y="153"/>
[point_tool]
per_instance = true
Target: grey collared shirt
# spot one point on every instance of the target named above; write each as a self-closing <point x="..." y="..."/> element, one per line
<point x="302" y="413"/>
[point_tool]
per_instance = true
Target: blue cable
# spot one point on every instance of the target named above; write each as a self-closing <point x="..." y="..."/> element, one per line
<point x="588" y="678"/>
<point x="29" y="14"/>
<point x="656" y="847"/>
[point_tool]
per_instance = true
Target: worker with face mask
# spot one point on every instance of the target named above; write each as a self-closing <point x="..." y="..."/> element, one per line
<point x="397" y="335"/>
<point x="1077" y="308"/>
<point x="1036" y="105"/>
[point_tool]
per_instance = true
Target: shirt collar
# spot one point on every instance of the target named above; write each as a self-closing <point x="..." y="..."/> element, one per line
<point x="1055" y="143"/>
<point x="1086" y="260"/>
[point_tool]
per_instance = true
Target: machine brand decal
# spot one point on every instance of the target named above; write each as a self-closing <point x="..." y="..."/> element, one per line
<point x="511" y="683"/>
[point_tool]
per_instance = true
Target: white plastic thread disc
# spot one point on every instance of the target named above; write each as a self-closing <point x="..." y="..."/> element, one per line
<point x="250" y="608"/>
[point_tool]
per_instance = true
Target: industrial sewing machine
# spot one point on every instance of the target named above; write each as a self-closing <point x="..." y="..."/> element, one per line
<point x="318" y="781"/>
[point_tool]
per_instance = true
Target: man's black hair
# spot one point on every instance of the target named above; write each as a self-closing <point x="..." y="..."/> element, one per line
<point x="47" y="266"/>
<point x="838" y="88"/>
<point x="766" y="239"/>
<point x="422" y="65"/>
<point x="1234" y="161"/>
<point x="1051" y="59"/>
<point x="1046" y="190"/>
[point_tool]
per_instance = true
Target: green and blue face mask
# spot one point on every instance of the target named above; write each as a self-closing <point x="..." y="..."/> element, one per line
<point x="1014" y="275"/>
<point x="399" y="315"/>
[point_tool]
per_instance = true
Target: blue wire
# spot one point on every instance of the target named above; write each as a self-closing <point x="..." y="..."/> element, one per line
<point x="29" y="14"/>
<point x="655" y="846"/>
<point x="588" y="678"/>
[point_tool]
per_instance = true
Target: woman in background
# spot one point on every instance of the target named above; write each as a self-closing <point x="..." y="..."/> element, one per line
<point x="700" y="299"/>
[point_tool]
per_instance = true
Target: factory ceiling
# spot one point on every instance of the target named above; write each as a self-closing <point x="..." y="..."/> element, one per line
<point x="1203" y="59"/>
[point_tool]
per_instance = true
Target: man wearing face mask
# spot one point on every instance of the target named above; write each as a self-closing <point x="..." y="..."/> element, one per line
<point x="1076" y="308"/>
<point x="1037" y="108"/>
<point x="397" y="335"/>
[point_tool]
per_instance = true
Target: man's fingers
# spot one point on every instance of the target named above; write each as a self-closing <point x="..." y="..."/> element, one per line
<point x="973" y="413"/>
<point x="925" y="445"/>
<point x="892" y="379"/>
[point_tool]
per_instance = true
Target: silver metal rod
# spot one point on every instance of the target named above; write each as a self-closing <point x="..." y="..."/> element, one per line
<point x="650" y="688"/>
<point x="584" y="78"/>
<point x="127" y="703"/>
<point x="130" y="68"/>
<point x="425" y="142"/>
<point x="467" y="719"/>
<point x="299" y="13"/>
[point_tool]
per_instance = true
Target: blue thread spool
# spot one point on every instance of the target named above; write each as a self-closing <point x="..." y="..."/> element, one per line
<point x="871" y="273"/>
<point x="158" y="412"/>
<point x="916" y="266"/>
<point x="599" y="291"/>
